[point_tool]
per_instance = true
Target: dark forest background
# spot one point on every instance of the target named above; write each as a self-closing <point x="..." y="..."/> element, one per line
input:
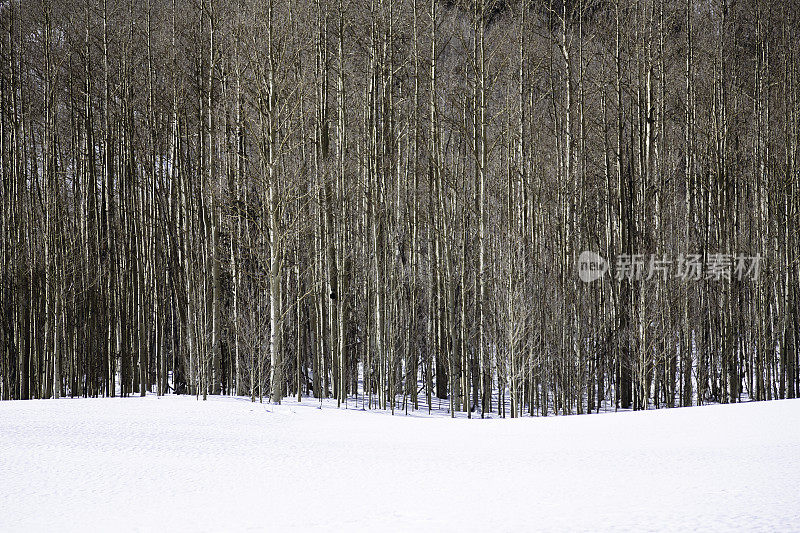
<point x="334" y="197"/>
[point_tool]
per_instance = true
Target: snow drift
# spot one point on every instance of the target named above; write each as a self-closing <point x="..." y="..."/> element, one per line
<point x="178" y="464"/>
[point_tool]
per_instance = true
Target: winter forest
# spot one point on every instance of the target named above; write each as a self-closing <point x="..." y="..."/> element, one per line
<point x="387" y="200"/>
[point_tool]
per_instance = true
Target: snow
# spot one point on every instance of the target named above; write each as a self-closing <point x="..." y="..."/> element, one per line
<point x="180" y="464"/>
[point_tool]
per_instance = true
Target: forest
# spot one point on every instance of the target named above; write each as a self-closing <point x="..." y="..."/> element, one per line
<point x="388" y="200"/>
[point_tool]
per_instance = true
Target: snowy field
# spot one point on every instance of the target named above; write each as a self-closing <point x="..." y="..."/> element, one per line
<point x="178" y="464"/>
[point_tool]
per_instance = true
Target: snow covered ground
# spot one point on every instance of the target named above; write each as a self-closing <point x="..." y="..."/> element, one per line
<point x="178" y="464"/>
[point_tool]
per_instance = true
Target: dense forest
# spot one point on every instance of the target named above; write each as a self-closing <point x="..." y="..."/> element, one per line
<point x="388" y="199"/>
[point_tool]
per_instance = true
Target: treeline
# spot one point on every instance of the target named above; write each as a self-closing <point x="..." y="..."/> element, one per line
<point x="388" y="198"/>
